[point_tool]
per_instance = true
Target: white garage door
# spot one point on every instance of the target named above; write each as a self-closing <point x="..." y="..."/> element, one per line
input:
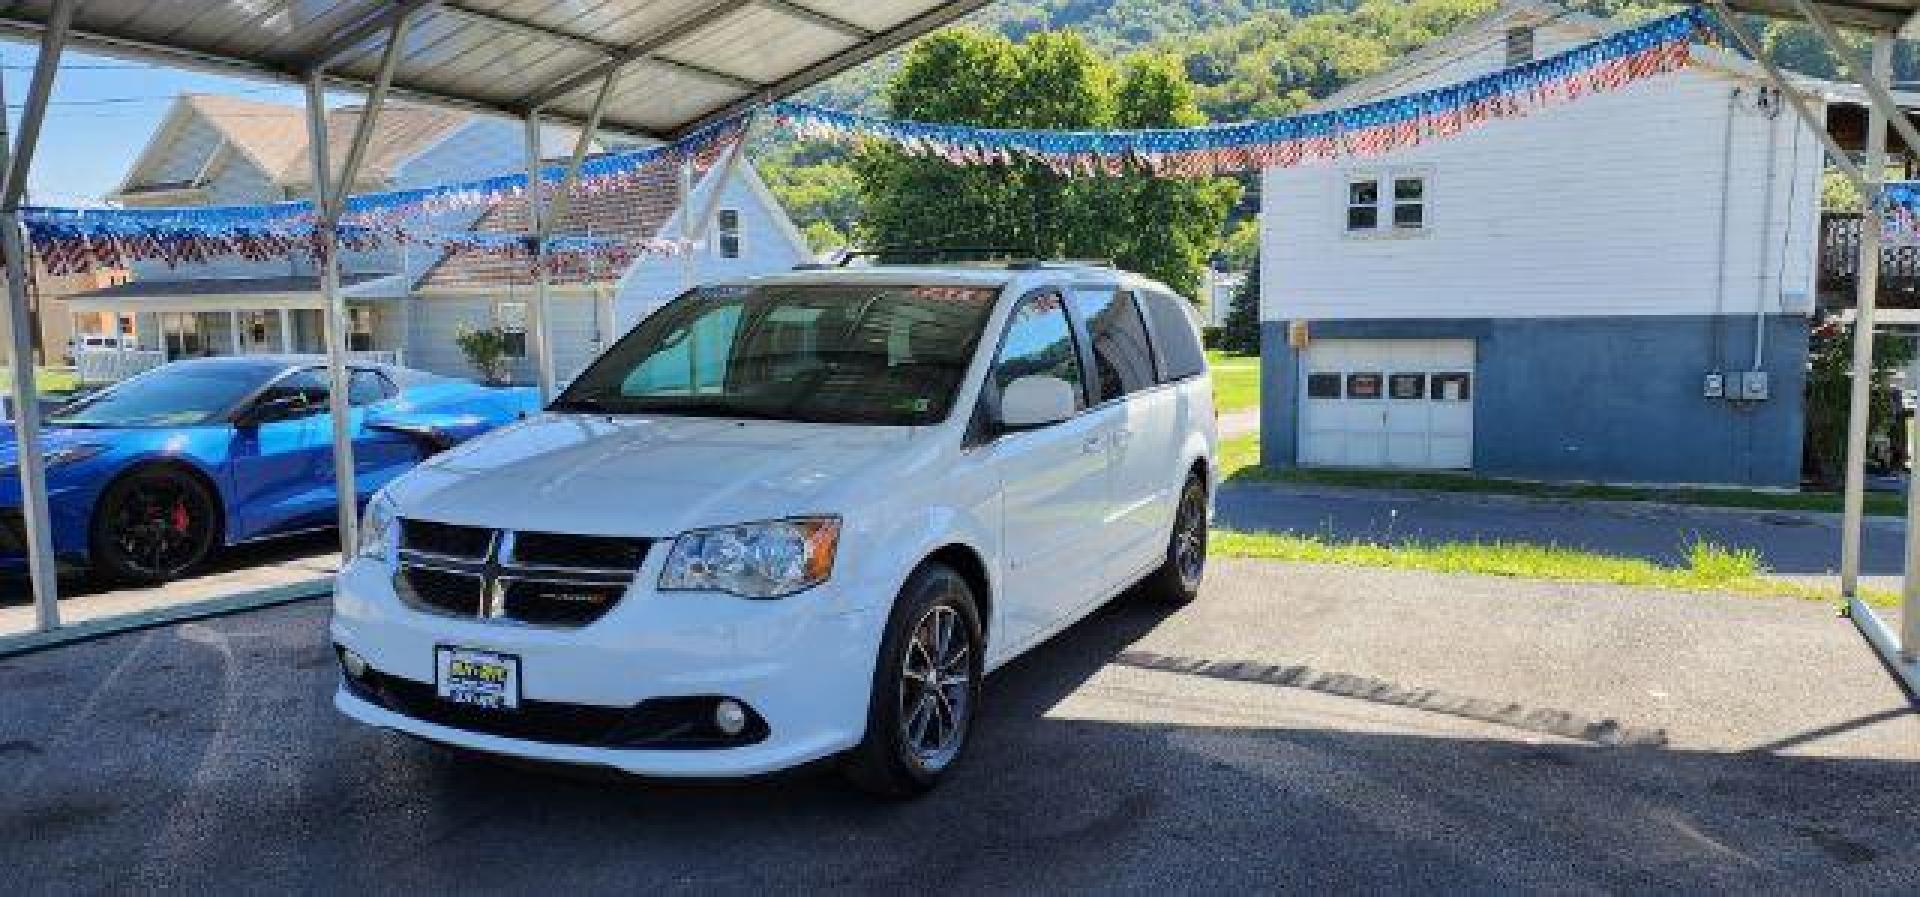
<point x="1387" y="403"/>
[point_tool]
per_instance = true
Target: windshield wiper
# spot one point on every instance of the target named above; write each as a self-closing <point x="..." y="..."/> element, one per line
<point x="703" y="409"/>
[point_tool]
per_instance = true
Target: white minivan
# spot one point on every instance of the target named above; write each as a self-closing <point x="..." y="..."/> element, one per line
<point x="788" y="519"/>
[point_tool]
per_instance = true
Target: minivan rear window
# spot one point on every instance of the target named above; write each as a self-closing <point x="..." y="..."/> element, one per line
<point x="1122" y="356"/>
<point x="1176" y="339"/>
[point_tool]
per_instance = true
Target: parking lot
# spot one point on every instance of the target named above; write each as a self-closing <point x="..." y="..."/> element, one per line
<point x="1297" y="728"/>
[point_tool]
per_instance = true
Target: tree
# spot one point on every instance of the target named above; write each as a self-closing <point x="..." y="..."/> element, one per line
<point x="1829" y="388"/>
<point x="1241" y="333"/>
<point x="1052" y="80"/>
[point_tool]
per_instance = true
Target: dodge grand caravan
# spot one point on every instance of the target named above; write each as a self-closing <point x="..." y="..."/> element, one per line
<point x="790" y="519"/>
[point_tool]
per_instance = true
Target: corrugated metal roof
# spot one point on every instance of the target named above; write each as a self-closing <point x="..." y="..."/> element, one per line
<point x="1889" y="14"/>
<point x="679" y="63"/>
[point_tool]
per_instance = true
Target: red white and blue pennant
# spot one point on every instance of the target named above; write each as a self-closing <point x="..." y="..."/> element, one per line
<point x="1611" y="63"/>
<point x="74" y="239"/>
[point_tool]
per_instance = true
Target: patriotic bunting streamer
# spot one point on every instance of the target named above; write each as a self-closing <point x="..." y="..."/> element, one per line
<point x="72" y="240"/>
<point x="1635" y="54"/>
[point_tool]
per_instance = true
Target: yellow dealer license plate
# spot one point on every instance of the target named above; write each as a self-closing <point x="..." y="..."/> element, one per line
<point x="477" y="678"/>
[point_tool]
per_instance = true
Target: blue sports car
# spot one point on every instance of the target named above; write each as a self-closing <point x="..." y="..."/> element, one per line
<point x="148" y="477"/>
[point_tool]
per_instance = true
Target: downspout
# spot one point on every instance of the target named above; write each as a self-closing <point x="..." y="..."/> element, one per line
<point x="1761" y="296"/>
<point x="1720" y="259"/>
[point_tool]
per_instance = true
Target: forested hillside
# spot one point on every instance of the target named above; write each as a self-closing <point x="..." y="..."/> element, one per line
<point x="1246" y="58"/>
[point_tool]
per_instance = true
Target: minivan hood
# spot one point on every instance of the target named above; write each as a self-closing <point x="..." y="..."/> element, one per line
<point x="644" y="476"/>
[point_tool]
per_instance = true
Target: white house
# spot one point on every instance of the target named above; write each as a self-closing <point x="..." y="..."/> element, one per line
<point x="408" y="302"/>
<point x="1618" y="289"/>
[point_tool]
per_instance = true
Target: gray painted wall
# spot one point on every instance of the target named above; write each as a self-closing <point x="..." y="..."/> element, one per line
<point x="1605" y="399"/>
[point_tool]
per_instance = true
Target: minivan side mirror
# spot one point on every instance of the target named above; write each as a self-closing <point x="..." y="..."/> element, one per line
<point x="1036" y="400"/>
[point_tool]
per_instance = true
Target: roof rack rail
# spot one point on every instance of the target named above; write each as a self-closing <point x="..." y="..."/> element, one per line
<point x="930" y="254"/>
<point x="1039" y="264"/>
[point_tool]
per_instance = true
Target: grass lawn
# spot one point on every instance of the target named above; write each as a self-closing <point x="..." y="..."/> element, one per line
<point x="1709" y="567"/>
<point x="1236" y="380"/>
<point x="1240" y="459"/>
<point x="46" y="380"/>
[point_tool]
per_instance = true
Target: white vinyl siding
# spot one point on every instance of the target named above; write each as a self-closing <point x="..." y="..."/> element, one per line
<point x="1606" y="206"/>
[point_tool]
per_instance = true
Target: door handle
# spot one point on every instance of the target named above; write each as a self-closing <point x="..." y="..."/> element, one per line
<point x="1093" y="444"/>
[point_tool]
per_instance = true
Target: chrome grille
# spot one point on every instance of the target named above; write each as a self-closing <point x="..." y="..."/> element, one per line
<point x="540" y="579"/>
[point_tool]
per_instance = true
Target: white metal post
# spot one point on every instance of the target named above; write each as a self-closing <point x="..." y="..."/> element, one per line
<point x="1866" y="295"/>
<point x="329" y="200"/>
<point x="333" y="317"/>
<point x="286" y="332"/>
<point x="536" y="230"/>
<point x="16" y="158"/>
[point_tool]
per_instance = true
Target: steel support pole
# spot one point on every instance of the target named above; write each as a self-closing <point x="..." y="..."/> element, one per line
<point x="16" y="158"/>
<point x="327" y="245"/>
<point x="329" y="201"/>
<point x="1866" y="295"/>
<point x="541" y="348"/>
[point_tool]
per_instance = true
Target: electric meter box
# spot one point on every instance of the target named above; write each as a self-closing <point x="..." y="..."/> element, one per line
<point x="1753" y="386"/>
<point x="1716" y="386"/>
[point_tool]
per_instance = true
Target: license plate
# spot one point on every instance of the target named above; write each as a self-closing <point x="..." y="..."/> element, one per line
<point x="477" y="678"/>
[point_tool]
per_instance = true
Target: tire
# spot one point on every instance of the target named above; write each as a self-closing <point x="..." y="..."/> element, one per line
<point x="904" y="754"/>
<point x="153" y="525"/>
<point x="1177" y="580"/>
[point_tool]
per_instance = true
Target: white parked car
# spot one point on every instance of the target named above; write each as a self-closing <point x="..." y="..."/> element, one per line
<point x="791" y="518"/>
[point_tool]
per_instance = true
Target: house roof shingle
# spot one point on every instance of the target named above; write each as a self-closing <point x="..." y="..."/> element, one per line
<point x="633" y="211"/>
<point x="274" y="138"/>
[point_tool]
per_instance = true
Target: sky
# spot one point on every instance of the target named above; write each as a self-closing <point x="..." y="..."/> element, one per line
<point x="103" y="111"/>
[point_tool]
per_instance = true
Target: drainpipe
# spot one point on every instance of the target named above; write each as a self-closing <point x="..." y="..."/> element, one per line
<point x="1761" y="295"/>
<point x="1720" y="253"/>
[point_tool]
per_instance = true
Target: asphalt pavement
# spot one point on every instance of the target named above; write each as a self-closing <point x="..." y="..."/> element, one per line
<point x="1296" y="729"/>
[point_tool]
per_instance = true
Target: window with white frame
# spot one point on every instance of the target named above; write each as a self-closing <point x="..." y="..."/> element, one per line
<point x="727" y="227"/>
<point x="1519" y="46"/>
<point x="1363" y="204"/>
<point x="359" y="329"/>
<point x="511" y="317"/>
<point x="1393" y="202"/>
<point x="1409" y="202"/>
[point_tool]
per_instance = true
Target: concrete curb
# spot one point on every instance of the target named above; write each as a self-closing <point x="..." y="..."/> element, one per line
<point x="17" y="645"/>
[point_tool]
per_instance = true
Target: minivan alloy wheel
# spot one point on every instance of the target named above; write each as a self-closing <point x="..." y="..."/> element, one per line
<point x="1190" y="535"/>
<point x="936" y="688"/>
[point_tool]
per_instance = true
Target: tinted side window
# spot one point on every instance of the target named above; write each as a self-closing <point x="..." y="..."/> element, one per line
<point x="309" y="385"/>
<point x="1039" y="341"/>
<point x="1176" y="339"/>
<point x="1122" y="355"/>
<point x="367" y="387"/>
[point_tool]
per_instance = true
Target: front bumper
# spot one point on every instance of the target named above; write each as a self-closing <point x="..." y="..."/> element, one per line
<point x="804" y="664"/>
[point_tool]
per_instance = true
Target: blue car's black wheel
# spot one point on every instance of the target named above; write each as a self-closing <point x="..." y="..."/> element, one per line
<point x="153" y="525"/>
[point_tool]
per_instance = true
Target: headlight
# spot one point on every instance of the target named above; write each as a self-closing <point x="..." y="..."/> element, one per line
<point x="754" y="560"/>
<point x="378" y="526"/>
<point x="69" y="455"/>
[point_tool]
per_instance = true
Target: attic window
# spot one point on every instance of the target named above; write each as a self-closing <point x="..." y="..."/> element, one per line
<point x="1519" y="46"/>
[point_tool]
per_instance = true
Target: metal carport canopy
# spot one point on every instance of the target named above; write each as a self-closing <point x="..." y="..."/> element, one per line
<point x="678" y="63"/>
<point x="647" y="68"/>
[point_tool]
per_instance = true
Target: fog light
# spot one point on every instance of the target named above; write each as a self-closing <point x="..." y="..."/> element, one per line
<point x="730" y="717"/>
<point x="354" y="664"/>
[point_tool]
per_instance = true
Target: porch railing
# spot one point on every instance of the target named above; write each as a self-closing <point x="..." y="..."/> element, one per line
<point x="104" y="366"/>
<point x="1840" y="264"/>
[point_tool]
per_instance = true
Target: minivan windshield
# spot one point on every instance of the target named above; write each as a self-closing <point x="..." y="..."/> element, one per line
<point x="841" y="353"/>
